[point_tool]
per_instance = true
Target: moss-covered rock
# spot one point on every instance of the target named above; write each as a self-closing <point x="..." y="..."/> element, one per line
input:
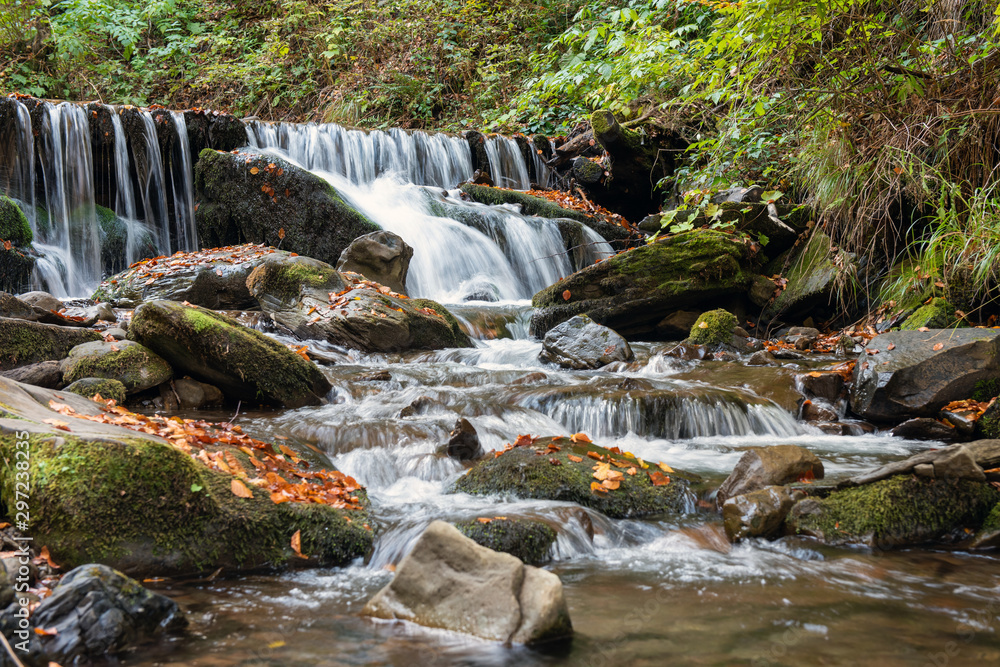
<point x="553" y="475"/>
<point x="247" y="197"/>
<point x="132" y="364"/>
<point x="114" y="242"/>
<point x="714" y="327"/>
<point x="900" y="511"/>
<point x="938" y="314"/>
<point x="17" y="263"/>
<point x="633" y="291"/>
<point x="27" y="342"/>
<point x="530" y="541"/>
<point x="14" y="225"/>
<point x="811" y="273"/>
<point x="988" y="536"/>
<point x="105" y="388"/>
<point x="216" y="349"/>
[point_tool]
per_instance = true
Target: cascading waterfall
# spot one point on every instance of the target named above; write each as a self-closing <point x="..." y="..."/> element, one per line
<point x="507" y="167"/>
<point x="183" y="186"/>
<point x="154" y="201"/>
<point x="125" y="196"/>
<point x="17" y="170"/>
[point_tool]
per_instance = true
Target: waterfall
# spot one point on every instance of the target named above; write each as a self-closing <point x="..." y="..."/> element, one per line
<point x="507" y="167"/>
<point x="182" y="175"/>
<point x="543" y="175"/>
<point x="17" y="167"/>
<point x="154" y="201"/>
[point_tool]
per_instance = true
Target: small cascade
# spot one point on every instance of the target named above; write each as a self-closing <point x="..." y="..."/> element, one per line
<point x="69" y="239"/>
<point x="136" y="231"/>
<point x="543" y="175"/>
<point x="17" y="166"/>
<point x="182" y="179"/>
<point x="507" y="167"/>
<point x="360" y="157"/>
<point x="153" y="188"/>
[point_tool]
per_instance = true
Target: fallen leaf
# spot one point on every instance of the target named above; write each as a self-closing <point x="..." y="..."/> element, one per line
<point x="297" y="544"/>
<point x="574" y="459"/>
<point x="483" y="520"/>
<point x="891" y="346"/>
<point x="580" y="437"/>
<point x="658" y="478"/>
<point x="218" y="272"/>
<point x="44" y="555"/>
<point x="703" y="325"/>
<point x="611" y="484"/>
<point x="281" y="233"/>
<point x="61" y="425"/>
<point x="42" y="632"/>
<point x="665" y="468"/>
<point x="276" y="644"/>
<point x="240" y="489"/>
<point x="254" y="171"/>
<point x="596" y="486"/>
<point x="923" y="329"/>
<point x="938" y="347"/>
<point x="566" y="295"/>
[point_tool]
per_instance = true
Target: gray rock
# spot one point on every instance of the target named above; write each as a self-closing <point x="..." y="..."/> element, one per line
<point x="924" y="470"/>
<point x="46" y="374"/>
<point x="915" y="380"/>
<point x="677" y="325"/>
<point x="580" y="343"/>
<point x="134" y="365"/>
<point x="448" y="581"/>
<point x="924" y="428"/>
<point x="42" y="300"/>
<point x="194" y="394"/>
<point x="97" y="611"/>
<point x="27" y="342"/>
<point x="382" y="257"/>
<point x="761" y="467"/>
<point x="762" y="358"/>
<point x="985" y="454"/>
<point x="422" y="405"/>
<point x="463" y="442"/>
<point x="116" y="332"/>
<point x="758" y="513"/>
<point x="958" y="463"/>
<point x="828" y="386"/>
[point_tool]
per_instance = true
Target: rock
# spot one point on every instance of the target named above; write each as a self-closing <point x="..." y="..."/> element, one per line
<point x="828" y="386"/>
<point x="923" y="371"/>
<point x="115" y="241"/>
<point x="923" y="470"/>
<point x="382" y="257"/>
<point x="819" y="411"/>
<point x="463" y="442"/>
<point x="985" y="454"/>
<point x="958" y="463"/>
<point x="761" y="358"/>
<point x="42" y="300"/>
<point x="714" y="328"/>
<point x="634" y="291"/>
<point x="244" y="363"/>
<point x="964" y="421"/>
<point x="811" y="273"/>
<point x="580" y="344"/>
<point x="129" y="500"/>
<point x="237" y="204"/>
<point x="758" y="513"/>
<point x="95" y="612"/>
<point x="524" y="473"/>
<point x="938" y="314"/>
<point x="448" y="581"/>
<point x="18" y="261"/>
<point x="677" y="325"/>
<point x="14" y="225"/>
<point x="215" y="278"/>
<point x="761" y="290"/>
<point x="988" y="536"/>
<point x="375" y="376"/>
<point x="11" y="306"/>
<point x="117" y="333"/>
<point x="89" y="387"/>
<point x="192" y="394"/>
<point x="27" y="342"/>
<point x="132" y="364"/>
<point x="422" y="405"/>
<point x="760" y="467"/>
<point x="527" y="540"/>
<point x="900" y="511"/>
<point x="924" y="428"/>
<point x="651" y="223"/>
<point x="298" y="293"/>
<point x="46" y="374"/>
<point x="738" y="195"/>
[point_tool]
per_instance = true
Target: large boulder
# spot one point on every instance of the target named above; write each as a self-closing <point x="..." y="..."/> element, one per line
<point x="242" y="362"/>
<point x="760" y="467"/>
<point x="312" y="300"/>
<point x="264" y="199"/>
<point x="561" y="469"/>
<point x="382" y="257"/>
<point x="579" y="343"/>
<point x="132" y="364"/>
<point x="448" y="581"/>
<point x="811" y="273"/>
<point x="115" y="241"/>
<point x="215" y="278"/>
<point x="633" y="291"/>
<point x="147" y="506"/>
<point x="26" y="342"/>
<point x="17" y="260"/>
<point x="758" y="513"/>
<point x="915" y="373"/>
<point x="527" y="540"/>
<point x="43" y="374"/>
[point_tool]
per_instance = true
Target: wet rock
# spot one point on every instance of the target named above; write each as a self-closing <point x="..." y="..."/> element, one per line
<point x="963" y="421"/>
<point x="988" y="536"/>
<point x="831" y="428"/>
<point x="761" y="467"/>
<point x="676" y="325"/>
<point x="762" y="358"/>
<point x="857" y="427"/>
<point x="296" y="292"/>
<point x="985" y="454"/>
<point x="132" y="364"/>
<point x="761" y="290"/>
<point x="11" y="306"/>
<point x="811" y="274"/>
<point x="193" y="395"/>
<point x="634" y="291"/>
<point x="249" y="197"/>
<point x="819" y="411"/>
<point x="958" y="463"/>
<point x="116" y="332"/>
<point x="115" y="241"/>
<point x="531" y="378"/>
<point x="382" y="257"/>
<point x="30" y="342"/>
<point x="900" y="511"/>
<point x="242" y="362"/>
<point x="923" y="371"/>
<point x="95" y="612"/>
<point x="924" y="428"/>
<point x="527" y="540"/>
<point x="43" y="374"/>
<point x="146" y="508"/>
<point x="581" y="344"/>
<point x="938" y="314"/>
<point x="828" y="386"/>
<point x="787" y="355"/>
<point x="422" y="405"/>
<point x="463" y="442"/>
<point x="89" y="387"/>
<point x="758" y="513"/>
<point x="713" y="328"/>
<point x="375" y="376"/>
<point x="448" y="581"/>
<point x="529" y="472"/>
<point x="42" y="300"/>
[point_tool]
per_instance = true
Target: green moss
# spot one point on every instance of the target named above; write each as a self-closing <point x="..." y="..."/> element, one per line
<point x="135" y="366"/>
<point x="902" y="510"/>
<point x="29" y="342"/>
<point x="14" y="225"/>
<point x="432" y="336"/>
<point x="531" y="541"/>
<point x="130" y="505"/>
<point x="90" y="387"/>
<point x="985" y="390"/>
<point x="523" y="473"/>
<point x="811" y="274"/>
<point x="938" y="314"/>
<point x="588" y="170"/>
<point x="530" y="205"/>
<point x="719" y="326"/>
<point x="992" y="522"/>
<point x="284" y="278"/>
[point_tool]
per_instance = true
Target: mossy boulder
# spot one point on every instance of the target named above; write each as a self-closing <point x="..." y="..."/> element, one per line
<point x="135" y="366"/>
<point x="244" y="363"/>
<point x="633" y="291"/>
<point x="530" y="541"/>
<point x="312" y="300"/>
<point x="716" y="327"/>
<point x="988" y="535"/>
<point x="811" y="273"/>
<point x="17" y="263"/>
<point x="938" y="314"/>
<point x="246" y="197"/>
<point x="548" y="473"/>
<point x="14" y="225"/>
<point x="115" y="241"/>
<point x="27" y="342"/>
<point x="103" y="387"/>
<point x="900" y="511"/>
<point x="104" y="494"/>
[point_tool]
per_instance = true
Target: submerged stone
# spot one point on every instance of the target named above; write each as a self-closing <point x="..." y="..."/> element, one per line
<point x="530" y="541"/>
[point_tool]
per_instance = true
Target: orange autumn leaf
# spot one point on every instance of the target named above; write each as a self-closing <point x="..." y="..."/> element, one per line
<point x="665" y="468"/>
<point x="281" y="233"/>
<point x="815" y="374"/>
<point x="631" y="471"/>
<point x="240" y="489"/>
<point x="42" y="632"/>
<point x="7" y="245"/>
<point x="524" y="441"/>
<point x="574" y="459"/>
<point x="611" y="484"/>
<point x="938" y="347"/>
<point x="297" y="544"/>
<point x="596" y="486"/>
<point x="566" y="295"/>
<point x="891" y="347"/>
<point x="658" y="479"/>
<point x="580" y="437"/>
<point x="44" y="555"/>
<point x="595" y="455"/>
<point x="254" y="170"/>
<point x="483" y="520"/>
